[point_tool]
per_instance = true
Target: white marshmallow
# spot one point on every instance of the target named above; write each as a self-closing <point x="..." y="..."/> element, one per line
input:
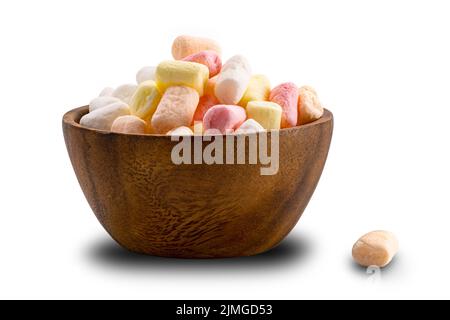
<point x="101" y="102"/>
<point x="106" y="92"/>
<point x="125" y="92"/>
<point x="233" y="80"/>
<point x="250" y="126"/>
<point x="103" y="118"/>
<point x="145" y="74"/>
<point x="180" y="131"/>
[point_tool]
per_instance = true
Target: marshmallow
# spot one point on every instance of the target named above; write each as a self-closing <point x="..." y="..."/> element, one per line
<point x="180" y="131"/>
<point x="184" y="46"/>
<point x="101" y="102"/>
<point x="182" y="92"/>
<point x="249" y="126"/>
<point x="207" y="101"/>
<point x="208" y="58"/>
<point x="145" y="100"/>
<point x="145" y="74"/>
<point x="225" y="118"/>
<point x="210" y="86"/>
<point x="125" y="92"/>
<point x="258" y="90"/>
<point x="309" y="106"/>
<point x="129" y="124"/>
<point x="197" y="128"/>
<point x="108" y="91"/>
<point x="176" y="109"/>
<point x="286" y="95"/>
<point x="181" y="73"/>
<point x="376" y="248"/>
<point x="233" y="80"/>
<point x="103" y="118"/>
<point x="267" y="114"/>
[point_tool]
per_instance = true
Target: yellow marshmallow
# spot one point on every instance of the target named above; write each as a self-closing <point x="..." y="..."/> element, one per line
<point x="145" y="100"/>
<point x="182" y="73"/>
<point x="197" y="128"/>
<point x="258" y="90"/>
<point x="267" y="114"/>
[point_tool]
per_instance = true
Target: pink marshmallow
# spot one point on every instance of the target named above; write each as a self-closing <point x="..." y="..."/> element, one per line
<point x="286" y="95"/>
<point x="208" y="58"/>
<point x="225" y="118"/>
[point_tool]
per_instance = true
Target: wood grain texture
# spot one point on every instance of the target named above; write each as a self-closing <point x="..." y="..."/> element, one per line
<point x="150" y="205"/>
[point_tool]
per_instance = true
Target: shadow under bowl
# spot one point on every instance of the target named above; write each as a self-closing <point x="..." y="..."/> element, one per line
<point x="150" y="205"/>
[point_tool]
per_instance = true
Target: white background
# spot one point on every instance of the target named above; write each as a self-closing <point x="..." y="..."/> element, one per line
<point x="382" y="67"/>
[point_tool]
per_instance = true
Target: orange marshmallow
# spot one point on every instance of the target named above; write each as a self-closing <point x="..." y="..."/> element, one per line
<point x="176" y="109"/>
<point x="309" y="107"/>
<point x="207" y="101"/>
<point x="129" y="124"/>
<point x="184" y="46"/>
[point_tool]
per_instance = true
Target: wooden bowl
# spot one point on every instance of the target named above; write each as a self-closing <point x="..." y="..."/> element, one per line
<point x="150" y="205"/>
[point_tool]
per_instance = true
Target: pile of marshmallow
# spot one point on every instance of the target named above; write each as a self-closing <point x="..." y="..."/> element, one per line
<point x="195" y="93"/>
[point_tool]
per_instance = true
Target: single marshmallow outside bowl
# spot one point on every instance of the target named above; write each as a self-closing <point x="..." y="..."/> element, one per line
<point x="376" y="248"/>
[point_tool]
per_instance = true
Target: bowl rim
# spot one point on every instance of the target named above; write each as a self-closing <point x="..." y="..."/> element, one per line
<point x="72" y="118"/>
